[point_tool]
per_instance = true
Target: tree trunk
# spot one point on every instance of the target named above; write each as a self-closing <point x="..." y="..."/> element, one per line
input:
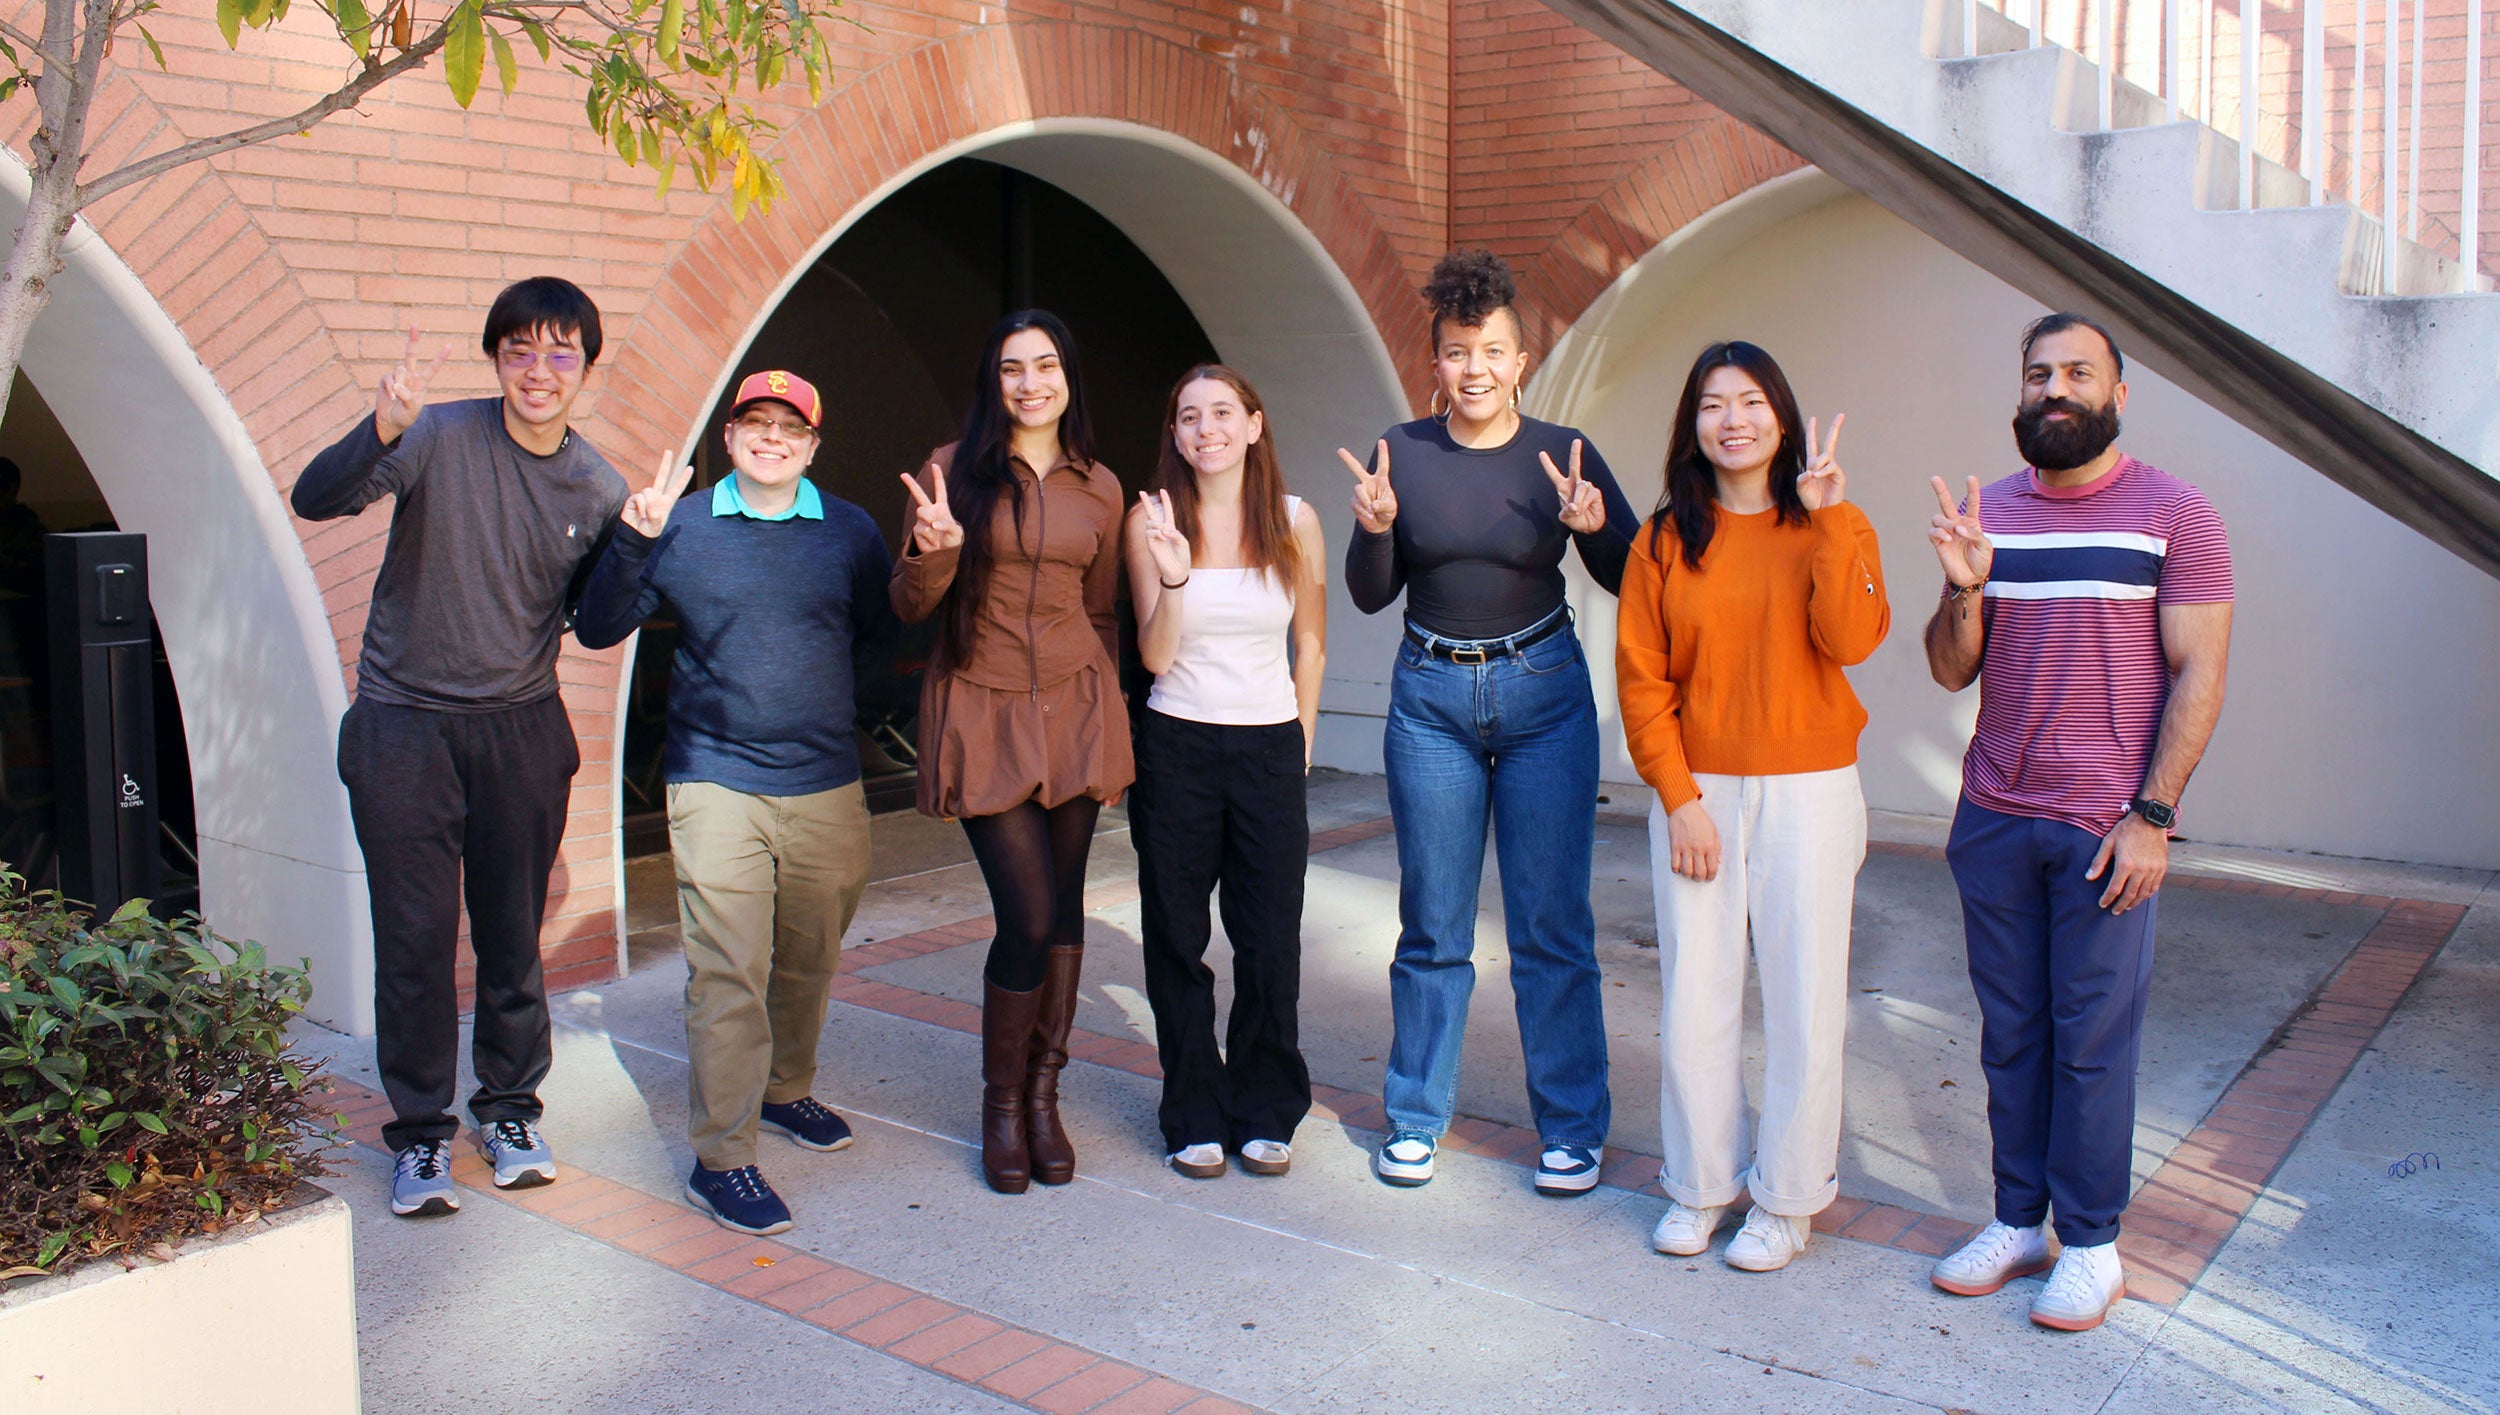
<point x="75" y="33"/>
<point x="26" y="284"/>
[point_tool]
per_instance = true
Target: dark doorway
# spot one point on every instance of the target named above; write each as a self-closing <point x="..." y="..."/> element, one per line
<point x="887" y="325"/>
<point x="45" y="487"/>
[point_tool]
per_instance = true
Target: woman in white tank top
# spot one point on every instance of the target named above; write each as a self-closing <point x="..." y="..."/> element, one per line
<point x="1228" y="573"/>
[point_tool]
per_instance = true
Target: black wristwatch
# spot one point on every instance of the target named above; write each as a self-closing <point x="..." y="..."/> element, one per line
<point x="2155" y="814"/>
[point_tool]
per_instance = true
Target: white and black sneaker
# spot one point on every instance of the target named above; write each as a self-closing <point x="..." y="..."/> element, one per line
<point x="421" y="1184"/>
<point x="1405" y="1158"/>
<point x="520" y="1155"/>
<point x="1566" y="1171"/>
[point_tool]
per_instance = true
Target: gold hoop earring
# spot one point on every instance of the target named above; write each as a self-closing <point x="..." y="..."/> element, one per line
<point x="1432" y="405"/>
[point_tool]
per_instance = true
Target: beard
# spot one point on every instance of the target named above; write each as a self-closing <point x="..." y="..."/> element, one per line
<point x="2085" y="434"/>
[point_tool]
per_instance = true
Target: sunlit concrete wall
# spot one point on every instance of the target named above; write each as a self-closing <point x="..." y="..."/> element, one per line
<point x="2363" y="659"/>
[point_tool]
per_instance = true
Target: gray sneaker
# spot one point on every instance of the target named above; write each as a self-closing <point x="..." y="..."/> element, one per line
<point x="519" y="1153"/>
<point x="421" y="1184"/>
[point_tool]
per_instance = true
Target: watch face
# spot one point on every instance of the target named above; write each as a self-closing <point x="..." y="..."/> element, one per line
<point x="2155" y="813"/>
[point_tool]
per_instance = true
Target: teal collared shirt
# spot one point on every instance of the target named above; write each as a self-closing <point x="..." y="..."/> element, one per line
<point x="726" y="501"/>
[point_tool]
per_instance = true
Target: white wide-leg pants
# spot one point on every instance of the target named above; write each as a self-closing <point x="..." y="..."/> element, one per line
<point x="1790" y="848"/>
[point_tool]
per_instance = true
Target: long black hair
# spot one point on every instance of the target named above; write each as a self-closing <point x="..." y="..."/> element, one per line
<point x="1690" y="500"/>
<point x="978" y="476"/>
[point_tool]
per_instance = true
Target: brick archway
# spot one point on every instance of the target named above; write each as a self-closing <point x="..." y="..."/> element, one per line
<point x="954" y="96"/>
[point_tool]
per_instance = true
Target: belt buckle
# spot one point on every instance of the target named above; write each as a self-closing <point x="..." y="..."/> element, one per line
<point x="1470" y="657"/>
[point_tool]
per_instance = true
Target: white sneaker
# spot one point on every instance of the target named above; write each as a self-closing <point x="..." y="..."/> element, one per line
<point x="1685" y="1230"/>
<point x="1768" y="1241"/>
<point x="1200" y="1161"/>
<point x="1266" y="1156"/>
<point x="1405" y="1158"/>
<point x="2082" y="1289"/>
<point x="1996" y="1257"/>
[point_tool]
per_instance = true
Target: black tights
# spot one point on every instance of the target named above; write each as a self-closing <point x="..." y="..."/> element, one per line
<point x="1034" y="863"/>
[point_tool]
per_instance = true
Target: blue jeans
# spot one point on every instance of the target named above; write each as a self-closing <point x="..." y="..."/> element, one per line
<point x="1514" y="740"/>
<point x="2062" y="984"/>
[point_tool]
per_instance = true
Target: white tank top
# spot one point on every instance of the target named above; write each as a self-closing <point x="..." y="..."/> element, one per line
<point x="1231" y="666"/>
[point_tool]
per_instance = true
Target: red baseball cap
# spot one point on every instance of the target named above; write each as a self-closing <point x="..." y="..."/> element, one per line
<point x="780" y="387"/>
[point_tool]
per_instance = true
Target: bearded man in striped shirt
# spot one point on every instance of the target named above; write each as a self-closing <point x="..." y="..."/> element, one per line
<point x="2090" y="596"/>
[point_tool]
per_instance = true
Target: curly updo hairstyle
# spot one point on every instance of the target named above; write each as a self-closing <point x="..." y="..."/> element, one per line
<point x="1466" y="287"/>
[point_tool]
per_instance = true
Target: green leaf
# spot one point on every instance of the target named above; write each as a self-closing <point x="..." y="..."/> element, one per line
<point x="149" y="1121"/>
<point x="118" y="1173"/>
<point x="355" y="25"/>
<point x="507" y="68"/>
<point x="156" y="50"/>
<point x="135" y="909"/>
<point x="538" y="36"/>
<point x="51" y="1248"/>
<point x="464" y="52"/>
<point x="671" y="31"/>
<point x="67" y="991"/>
<point x="230" y="21"/>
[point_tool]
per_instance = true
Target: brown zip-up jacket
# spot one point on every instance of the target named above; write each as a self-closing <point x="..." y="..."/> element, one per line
<point x="1051" y="607"/>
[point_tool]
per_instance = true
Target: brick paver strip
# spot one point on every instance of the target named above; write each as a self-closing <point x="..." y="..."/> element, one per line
<point x="918" y="1328"/>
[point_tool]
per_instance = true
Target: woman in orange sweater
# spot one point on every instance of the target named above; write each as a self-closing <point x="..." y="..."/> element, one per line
<point x="1753" y="585"/>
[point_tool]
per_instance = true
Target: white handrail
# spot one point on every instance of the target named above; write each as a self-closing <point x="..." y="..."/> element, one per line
<point x="2391" y="23"/>
<point x="2312" y="99"/>
<point x="2413" y="141"/>
<point x="2470" y="189"/>
<point x="2252" y="40"/>
<point x="2383" y="123"/>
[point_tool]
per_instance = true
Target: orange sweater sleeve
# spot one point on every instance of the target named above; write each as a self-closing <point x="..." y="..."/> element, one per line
<point x="1845" y="608"/>
<point x="1653" y="727"/>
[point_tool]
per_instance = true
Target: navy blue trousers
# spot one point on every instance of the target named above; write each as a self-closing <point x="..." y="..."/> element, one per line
<point x="2061" y="984"/>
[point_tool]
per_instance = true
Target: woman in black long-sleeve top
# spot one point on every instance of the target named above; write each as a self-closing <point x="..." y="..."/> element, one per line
<point x="1469" y="512"/>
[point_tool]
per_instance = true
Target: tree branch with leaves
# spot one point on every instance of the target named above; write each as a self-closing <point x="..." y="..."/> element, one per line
<point x="670" y="83"/>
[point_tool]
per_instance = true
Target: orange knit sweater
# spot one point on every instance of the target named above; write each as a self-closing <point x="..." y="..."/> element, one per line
<point x="1735" y="668"/>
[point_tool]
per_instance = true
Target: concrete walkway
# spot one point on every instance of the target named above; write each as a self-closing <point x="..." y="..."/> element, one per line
<point x="907" y="1286"/>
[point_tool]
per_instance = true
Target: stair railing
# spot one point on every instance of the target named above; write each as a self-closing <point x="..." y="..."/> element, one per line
<point x="2296" y="113"/>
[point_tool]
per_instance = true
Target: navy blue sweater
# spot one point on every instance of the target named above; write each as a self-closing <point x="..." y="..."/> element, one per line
<point x="776" y="623"/>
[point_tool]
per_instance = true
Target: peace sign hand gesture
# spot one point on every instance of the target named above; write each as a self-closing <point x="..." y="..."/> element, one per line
<point x="1164" y="540"/>
<point x="1583" y="505"/>
<point x="1962" y="546"/>
<point x="1823" y="483"/>
<point x="647" y="510"/>
<point x="934" y="526"/>
<point x="402" y="394"/>
<point x="1375" y="502"/>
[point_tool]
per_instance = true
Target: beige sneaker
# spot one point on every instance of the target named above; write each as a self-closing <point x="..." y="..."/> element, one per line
<point x="1768" y="1242"/>
<point x="1266" y="1156"/>
<point x="1200" y="1161"/>
<point x="1686" y="1230"/>
<point x="1998" y="1255"/>
<point x="2085" y="1285"/>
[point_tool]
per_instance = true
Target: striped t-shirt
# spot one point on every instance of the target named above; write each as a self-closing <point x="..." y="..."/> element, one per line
<point x="2072" y="681"/>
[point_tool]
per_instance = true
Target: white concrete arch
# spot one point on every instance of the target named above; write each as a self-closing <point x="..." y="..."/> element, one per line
<point x="241" y="615"/>
<point x="1270" y="299"/>
<point x="2349" y="724"/>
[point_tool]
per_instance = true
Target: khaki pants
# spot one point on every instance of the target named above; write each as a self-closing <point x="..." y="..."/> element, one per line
<point x="765" y="887"/>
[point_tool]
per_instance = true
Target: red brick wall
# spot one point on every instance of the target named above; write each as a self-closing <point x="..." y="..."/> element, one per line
<point x="1390" y="130"/>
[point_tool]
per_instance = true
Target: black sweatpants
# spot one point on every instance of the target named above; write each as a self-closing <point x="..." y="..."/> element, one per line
<point x="433" y="792"/>
<point x="1223" y="809"/>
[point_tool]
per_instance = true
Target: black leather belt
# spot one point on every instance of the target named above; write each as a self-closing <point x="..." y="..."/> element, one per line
<point x="1476" y="651"/>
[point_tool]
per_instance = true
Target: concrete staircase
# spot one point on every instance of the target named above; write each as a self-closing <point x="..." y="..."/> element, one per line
<point x="2273" y="315"/>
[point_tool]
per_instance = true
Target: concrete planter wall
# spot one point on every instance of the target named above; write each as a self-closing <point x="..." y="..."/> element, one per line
<point x="260" y="1319"/>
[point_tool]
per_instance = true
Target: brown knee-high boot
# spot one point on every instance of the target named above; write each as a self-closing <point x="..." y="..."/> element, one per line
<point x="1054" y="1159"/>
<point x="1007" y="1028"/>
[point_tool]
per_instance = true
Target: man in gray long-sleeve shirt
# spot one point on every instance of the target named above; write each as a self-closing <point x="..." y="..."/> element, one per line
<point x="457" y="752"/>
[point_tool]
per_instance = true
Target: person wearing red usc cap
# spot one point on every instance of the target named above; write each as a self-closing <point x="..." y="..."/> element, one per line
<point x="781" y="608"/>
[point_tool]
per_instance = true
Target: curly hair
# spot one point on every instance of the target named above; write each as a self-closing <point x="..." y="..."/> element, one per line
<point x="1467" y="286"/>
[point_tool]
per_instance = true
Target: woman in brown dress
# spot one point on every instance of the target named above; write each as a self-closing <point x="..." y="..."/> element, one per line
<point x="1023" y="736"/>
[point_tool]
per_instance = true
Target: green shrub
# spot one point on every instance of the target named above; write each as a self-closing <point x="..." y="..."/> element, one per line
<point x="147" y="1089"/>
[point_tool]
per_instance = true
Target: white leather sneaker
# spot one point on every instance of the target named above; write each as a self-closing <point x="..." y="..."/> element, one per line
<point x="2087" y="1282"/>
<point x="1996" y="1257"/>
<point x="1768" y="1242"/>
<point x="1685" y="1230"/>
